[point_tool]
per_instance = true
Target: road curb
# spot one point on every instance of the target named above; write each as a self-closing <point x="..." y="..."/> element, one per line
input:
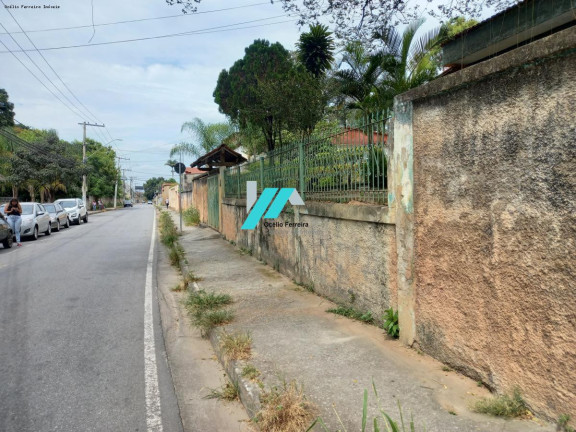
<point x="249" y="390"/>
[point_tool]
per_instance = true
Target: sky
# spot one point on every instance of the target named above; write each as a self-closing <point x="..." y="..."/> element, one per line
<point x="143" y="91"/>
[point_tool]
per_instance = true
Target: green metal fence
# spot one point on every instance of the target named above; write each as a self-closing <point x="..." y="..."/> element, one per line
<point x="349" y="165"/>
<point x="213" y="202"/>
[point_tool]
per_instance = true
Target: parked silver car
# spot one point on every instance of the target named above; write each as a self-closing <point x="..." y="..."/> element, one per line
<point x="58" y="216"/>
<point x="35" y="219"/>
<point x="75" y="208"/>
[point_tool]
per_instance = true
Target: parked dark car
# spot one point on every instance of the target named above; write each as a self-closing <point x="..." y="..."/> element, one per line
<point x="58" y="216"/>
<point x="6" y="234"/>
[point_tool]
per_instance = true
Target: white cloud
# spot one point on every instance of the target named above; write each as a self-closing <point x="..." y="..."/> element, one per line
<point x="143" y="91"/>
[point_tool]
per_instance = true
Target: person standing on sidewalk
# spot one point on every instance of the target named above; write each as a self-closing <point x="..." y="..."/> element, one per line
<point x="167" y="202"/>
<point x="14" y="212"/>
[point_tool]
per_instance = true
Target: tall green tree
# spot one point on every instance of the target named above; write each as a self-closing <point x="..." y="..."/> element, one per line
<point x="267" y="89"/>
<point x="6" y="109"/>
<point x="152" y="186"/>
<point x="316" y="49"/>
<point x="101" y="169"/>
<point x="237" y="90"/>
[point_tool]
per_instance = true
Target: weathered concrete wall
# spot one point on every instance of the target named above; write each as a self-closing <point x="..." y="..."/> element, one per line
<point x="200" y="198"/>
<point x="347" y="252"/>
<point x="495" y="221"/>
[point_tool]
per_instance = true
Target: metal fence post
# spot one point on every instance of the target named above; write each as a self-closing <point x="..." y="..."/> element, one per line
<point x="262" y="172"/>
<point x="301" y="167"/>
<point x="238" y="194"/>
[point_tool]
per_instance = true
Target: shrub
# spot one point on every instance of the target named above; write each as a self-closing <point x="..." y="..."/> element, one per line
<point x="191" y="216"/>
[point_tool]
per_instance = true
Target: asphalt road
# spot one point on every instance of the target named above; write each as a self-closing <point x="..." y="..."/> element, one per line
<point x="73" y="351"/>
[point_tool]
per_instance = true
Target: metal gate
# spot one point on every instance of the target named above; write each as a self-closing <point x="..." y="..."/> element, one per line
<point x="213" y="202"/>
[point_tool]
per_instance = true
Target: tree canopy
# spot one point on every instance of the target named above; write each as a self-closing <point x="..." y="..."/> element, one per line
<point x="6" y="109"/>
<point x="153" y="185"/>
<point x="364" y="17"/>
<point x="268" y="90"/>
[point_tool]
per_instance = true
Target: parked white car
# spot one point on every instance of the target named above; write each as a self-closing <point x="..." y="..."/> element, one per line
<point x="35" y="220"/>
<point x="75" y="208"/>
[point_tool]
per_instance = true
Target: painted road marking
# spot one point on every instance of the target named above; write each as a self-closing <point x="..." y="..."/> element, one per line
<point x="153" y="409"/>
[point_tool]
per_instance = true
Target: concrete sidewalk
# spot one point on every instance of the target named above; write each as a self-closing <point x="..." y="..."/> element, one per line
<point x="333" y="357"/>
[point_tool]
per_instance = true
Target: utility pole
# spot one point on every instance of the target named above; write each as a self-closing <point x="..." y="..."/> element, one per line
<point x="124" y="181"/>
<point x="131" y="193"/>
<point x="84" y="186"/>
<point x="180" y="195"/>
<point x="116" y="187"/>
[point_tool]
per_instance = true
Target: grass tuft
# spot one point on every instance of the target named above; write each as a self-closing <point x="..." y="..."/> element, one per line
<point x="236" y="346"/>
<point x="285" y="409"/>
<point x="350" y="312"/>
<point x="207" y="300"/>
<point x="191" y="277"/>
<point x="249" y="371"/>
<point x="505" y="405"/>
<point x="207" y="310"/>
<point x="228" y="392"/>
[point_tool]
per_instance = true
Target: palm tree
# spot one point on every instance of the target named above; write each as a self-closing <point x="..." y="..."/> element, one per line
<point x="405" y="62"/>
<point x="358" y="77"/>
<point x="370" y="80"/>
<point x="208" y="136"/>
<point x="316" y="49"/>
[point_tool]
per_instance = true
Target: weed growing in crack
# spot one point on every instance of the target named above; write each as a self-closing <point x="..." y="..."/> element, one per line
<point x="228" y="392"/>
<point x="350" y="312"/>
<point x="249" y="371"/>
<point x="206" y="309"/>
<point x="285" y="409"/>
<point x="236" y="346"/>
<point x="506" y="405"/>
<point x="383" y="419"/>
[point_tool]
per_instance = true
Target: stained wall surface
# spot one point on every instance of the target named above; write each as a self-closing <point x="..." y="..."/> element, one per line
<point x="495" y="228"/>
<point x="350" y="261"/>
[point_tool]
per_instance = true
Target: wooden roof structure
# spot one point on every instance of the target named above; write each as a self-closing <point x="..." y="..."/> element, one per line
<point x="220" y="156"/>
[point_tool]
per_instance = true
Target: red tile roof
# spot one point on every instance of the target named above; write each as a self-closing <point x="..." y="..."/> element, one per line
<point x="194" y="171"/>
<point x="355" y="137"/>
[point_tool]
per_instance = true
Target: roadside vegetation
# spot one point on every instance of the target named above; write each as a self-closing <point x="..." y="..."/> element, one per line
<point x="505" y="405"/>
<point x="230" y="391"/>
<point x="285" y="409"/>
<point x="236" y="346"/>
<point x="207" y="310"/>
<point x="382" y="422"/>
<point x="191" y="216"/>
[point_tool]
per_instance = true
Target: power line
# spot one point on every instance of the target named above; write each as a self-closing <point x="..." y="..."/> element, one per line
<point x="35" y="64"/>
<point x="51" y="68"/>
<point x="144" y="19"/>
<point x="208" y="30"/>
<point x="38" y="79"/>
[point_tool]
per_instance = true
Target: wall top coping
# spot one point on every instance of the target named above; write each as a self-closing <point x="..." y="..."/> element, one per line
<point x="562" y="42"/>
<point x="360" y="213"/>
